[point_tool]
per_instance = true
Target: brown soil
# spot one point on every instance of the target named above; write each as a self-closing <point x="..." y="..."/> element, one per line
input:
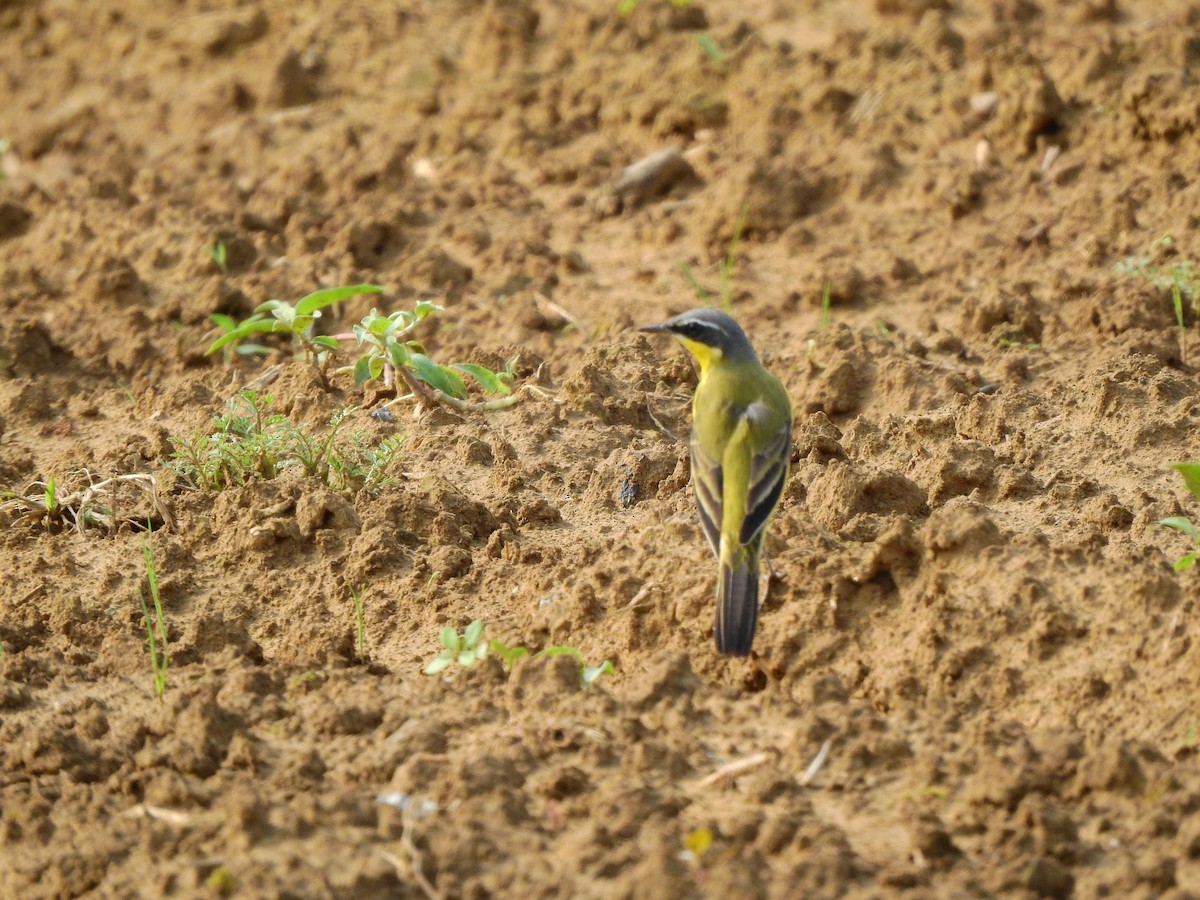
<point x="974" y="607"/>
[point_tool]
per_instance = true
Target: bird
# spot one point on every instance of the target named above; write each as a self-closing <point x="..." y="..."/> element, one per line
<point x="740" y="453"/>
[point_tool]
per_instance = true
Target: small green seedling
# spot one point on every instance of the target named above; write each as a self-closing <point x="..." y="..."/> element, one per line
<point x="588" y="674"/>
<point x="359" y="630"/>
<point x="1181" y="278"/>
<point x="156" y="629"/>
<point x="298" y="320"/>
<point x="1190" y="471"/>
<point x="50" y="497"/>
<point x="507" y="655"/>
<point x="466" y="649"/>
<point x="249" y="443"/>
<point x="710" y="48"/>
<point x="385" y="352"/>
<point x="220" y="255"/>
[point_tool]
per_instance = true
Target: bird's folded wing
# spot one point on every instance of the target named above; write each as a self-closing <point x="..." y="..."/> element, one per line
<point x="709" y="483"/>
<point x="768" y="471"/>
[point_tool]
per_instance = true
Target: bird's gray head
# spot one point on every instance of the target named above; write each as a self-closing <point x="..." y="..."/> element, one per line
<point x="708" y="328"/>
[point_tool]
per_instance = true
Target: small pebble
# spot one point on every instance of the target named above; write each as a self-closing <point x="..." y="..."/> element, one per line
<point x="985" y="102"/>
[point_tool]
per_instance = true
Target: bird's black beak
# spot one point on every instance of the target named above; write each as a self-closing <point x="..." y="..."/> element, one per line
<point x="656" y="329"/>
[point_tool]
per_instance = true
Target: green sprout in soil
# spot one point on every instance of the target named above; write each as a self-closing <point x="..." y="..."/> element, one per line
<point x="588" y="674"/>
<point x="710" y="48"/>
<point x="386" y="353"/>
<point x="156" y="629"/>
<point x="297" y="319"/>
<point x="249" y="443"/>
<point x="220" y="255"/>
<point x="1182" y="279"/>
<point x="464" y="649"/>
<point x="468" y="648"/>
<point x="706" y="42"/>
<point x="1190" y="471"/>
<point x="359" y="630"/>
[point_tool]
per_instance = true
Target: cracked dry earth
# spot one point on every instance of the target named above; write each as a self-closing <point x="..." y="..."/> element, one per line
<point x="974" y="616"/>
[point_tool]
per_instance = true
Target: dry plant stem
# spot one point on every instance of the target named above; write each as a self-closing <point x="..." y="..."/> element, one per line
<point x="149" y="811"/>
<point x="541" y="300"/>
<point x="77" y="503"/>
<point x="732" y="770"/>
<point x="659" y="425"/>
<point x="414" y="857"/>
<point x="431" y="396"/>
<point x="818" y="762"/>
<point x="640" y="596"/>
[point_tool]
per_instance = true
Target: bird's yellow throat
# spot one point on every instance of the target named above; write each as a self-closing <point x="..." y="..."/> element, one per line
<point x="704" y="354"/>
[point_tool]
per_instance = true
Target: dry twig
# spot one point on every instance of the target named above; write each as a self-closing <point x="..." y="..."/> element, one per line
<point x="732" y="770"/>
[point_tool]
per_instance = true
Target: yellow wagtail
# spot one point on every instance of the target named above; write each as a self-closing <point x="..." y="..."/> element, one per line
<point x="741" y="445"/>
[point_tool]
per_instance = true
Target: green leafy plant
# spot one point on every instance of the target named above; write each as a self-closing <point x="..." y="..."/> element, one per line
<point x="588" y="674"/>
<point x="298" y="320"/>
<point x="466" y="648"/>
<point x="1190" y="472"/>
<point x="156" y="629"/>
<point x="249" y="443"/>
<point x="359" y="630"/>
<point x="220" y="255"/>
<point x="385" y="350"/>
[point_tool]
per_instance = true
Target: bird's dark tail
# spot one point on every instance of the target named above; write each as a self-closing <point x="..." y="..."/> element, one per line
<point x="737" y="608"/>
